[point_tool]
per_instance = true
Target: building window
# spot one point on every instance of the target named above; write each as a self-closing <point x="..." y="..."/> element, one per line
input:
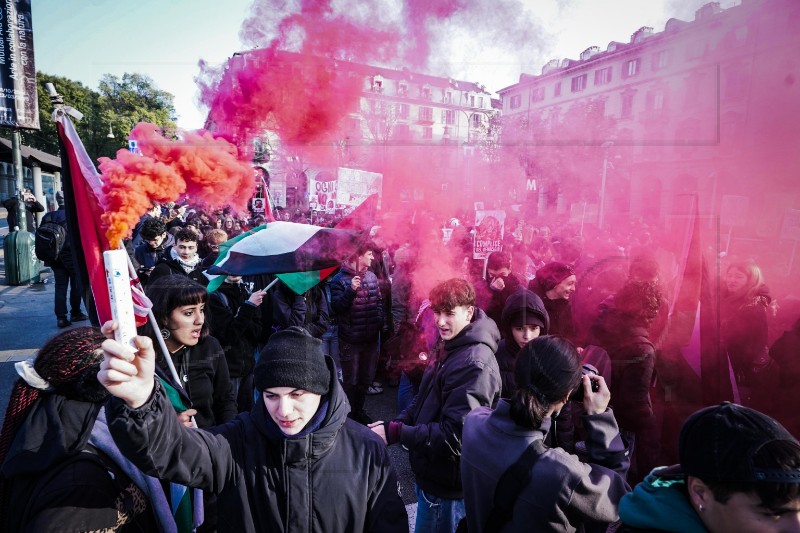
<point x="516" y="101"/>
<point x="425" y="93"/>
<point x="627" y="106"/>
<point x="426" y="114"/>
<point x="402" y="110"/>
<point x="579" y="83"/>
<point x="401" y="132"/>
<point x="656" y="102"/>
<point x="448" y="97"/>
<point x="472" y="100"/>
<point x="557" y="89"/>
<point x="631" y="68"/>
<point x="480" y="102"/>
<point x="661" y="60"/>
<point x="427" y="132"/>
<point x="402" y="90"/>
<point x="477" y="121"/>
<point x="537" y="94"/>
<point x="448" y="117"/>
<point x="602" y="76"/>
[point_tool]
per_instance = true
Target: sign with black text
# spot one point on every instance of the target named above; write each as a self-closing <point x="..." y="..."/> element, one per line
<point x="19" y="103"/>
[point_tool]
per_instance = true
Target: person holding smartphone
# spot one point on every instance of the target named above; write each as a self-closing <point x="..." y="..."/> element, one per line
<point x="32" y="205"/>
<point x="560" y="491"/>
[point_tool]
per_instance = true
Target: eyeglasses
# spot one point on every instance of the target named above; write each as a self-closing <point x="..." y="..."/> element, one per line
<point x="213" y="246"/>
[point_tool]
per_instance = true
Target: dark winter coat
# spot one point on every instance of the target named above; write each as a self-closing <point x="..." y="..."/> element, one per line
<point x="31" y="206"/>
<point x="633" y="359"/>
<point x="167" y="266"/>
<point x="507" y="351"/>
<point x="743" y="332"/>
<point x="564" y="493"/>
<point x="204" y="375"/>
<point x="147" y="257"/>
<point x="359" y="314"/>
<point x="308" y="310"/>
<point x="236" y="324"/>
<point x="59" y="483"/>
<point x="59" y="216"/>
<point x="493" y="301"/>
<point x="338" y="478"/>
<point x="464" y="375"/>
<point x="559" y="311"/>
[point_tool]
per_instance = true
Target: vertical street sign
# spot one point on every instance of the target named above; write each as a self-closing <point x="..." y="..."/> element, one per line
<point x="19" y="104"/>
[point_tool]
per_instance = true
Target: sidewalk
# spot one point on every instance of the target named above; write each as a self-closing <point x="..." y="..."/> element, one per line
<point x="26" y="314"/>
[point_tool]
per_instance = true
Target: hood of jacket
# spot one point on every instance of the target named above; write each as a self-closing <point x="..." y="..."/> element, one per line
<point x="660" y="502"/>
<point x="481" y="329"/>
<point x="530" y="303"/>
<point x="314" y="445"/>
<point x="56" y="428"/>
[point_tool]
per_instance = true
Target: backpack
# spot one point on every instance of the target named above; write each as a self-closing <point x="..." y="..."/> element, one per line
<point x="49" y="242"/>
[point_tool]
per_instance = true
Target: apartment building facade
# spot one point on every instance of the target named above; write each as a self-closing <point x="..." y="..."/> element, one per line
<point x="708" y="107"/>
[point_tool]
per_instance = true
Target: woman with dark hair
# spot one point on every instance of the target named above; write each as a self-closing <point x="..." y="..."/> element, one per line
<point x="61" y="470"/>
<point x="555" y="491"/>
<point x="744" y="300"/>
<point x="179" y="306"/>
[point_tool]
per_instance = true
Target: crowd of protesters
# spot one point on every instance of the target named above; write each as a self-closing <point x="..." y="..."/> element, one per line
<point x="538" y="389"/>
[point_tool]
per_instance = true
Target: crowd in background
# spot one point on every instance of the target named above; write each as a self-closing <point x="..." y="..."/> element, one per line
<point x="516" y="334"/>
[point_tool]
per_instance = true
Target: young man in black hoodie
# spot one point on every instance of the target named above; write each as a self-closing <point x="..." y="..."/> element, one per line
<point x="295" y="462"/>
<point x="462" y="375"/>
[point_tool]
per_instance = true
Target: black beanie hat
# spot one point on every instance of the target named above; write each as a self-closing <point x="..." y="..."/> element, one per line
<point x="293" y="358"/>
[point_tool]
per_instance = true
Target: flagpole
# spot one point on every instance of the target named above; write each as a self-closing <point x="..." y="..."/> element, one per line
<point x="157" y="330"/>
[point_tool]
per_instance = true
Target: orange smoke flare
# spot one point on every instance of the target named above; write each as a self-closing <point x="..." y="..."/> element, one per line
<point x="205" y="168"/>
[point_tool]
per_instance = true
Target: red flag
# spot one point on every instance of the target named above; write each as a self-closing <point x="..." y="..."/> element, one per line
<point x="82" y="198"/>
<point x="362" y="217"/>
<point x="82" y="195"/>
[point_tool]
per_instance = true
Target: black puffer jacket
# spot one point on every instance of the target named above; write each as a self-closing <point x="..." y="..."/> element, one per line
<point x="338" y="478"/>
<point x="358" y="313"/>
<point x="463" y="376"/>
<point x="236" y="324"/>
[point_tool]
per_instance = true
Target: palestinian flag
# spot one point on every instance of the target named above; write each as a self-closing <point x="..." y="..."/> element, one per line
<point x="310" y="252"/>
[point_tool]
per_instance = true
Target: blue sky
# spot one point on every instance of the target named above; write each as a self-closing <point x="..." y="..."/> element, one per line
<point x="164" y="39"/>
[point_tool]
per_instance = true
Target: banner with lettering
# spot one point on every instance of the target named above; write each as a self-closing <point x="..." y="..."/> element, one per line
<point x="489" y="227"/>
<point x="19" y="103"/>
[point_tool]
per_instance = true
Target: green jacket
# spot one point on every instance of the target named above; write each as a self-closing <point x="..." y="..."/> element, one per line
<point x="660" y="503"/>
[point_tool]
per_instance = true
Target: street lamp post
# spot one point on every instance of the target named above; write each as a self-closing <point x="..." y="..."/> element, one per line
<point x="602" y="210"/>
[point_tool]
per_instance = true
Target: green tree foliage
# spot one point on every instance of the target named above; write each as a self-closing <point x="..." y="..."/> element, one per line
<point x="116" y="107"/>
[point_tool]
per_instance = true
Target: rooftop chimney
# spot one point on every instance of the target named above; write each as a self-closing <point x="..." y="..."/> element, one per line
<point x="708" y="10"/>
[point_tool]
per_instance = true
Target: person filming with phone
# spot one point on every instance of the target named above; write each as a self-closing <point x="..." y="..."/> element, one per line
<point x="512" y="481"/>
